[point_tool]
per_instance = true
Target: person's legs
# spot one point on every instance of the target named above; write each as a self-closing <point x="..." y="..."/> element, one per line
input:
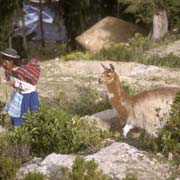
<point x="17" y="121"/>
<point x="24" y="109"/>
<point x="34" y="102"/>
<point x="30" y="102"/>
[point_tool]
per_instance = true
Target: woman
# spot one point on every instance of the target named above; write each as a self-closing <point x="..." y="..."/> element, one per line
<point x="23" y="77"/>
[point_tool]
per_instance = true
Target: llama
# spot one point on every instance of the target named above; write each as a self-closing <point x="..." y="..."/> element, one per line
<point x="147" y="110"/>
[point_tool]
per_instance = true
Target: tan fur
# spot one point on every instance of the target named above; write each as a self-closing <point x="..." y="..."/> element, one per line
<point x="145" y="110"/>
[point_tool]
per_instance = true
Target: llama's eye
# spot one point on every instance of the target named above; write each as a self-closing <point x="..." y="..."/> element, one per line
<point x="109" y="74"/>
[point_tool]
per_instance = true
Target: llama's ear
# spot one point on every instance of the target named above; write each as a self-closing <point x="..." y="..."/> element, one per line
<point x="105" y="68"/>
<point x="111" y="67"/>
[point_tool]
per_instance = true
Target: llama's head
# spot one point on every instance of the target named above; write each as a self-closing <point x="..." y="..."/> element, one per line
<point x="108" y="75"/>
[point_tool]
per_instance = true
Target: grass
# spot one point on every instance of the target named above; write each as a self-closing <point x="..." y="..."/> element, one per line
<point x="169" y="60"/>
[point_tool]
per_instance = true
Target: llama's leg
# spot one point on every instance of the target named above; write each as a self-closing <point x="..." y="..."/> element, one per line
<point x="127" y="128"/>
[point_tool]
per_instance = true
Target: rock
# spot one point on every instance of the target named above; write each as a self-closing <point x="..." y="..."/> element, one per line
<point x="106" y="32"/>
<point x="117" y="160"/>
<point x="143" y="69"/>
<point x="105" y="120"/>
<point x="50" y="166"/>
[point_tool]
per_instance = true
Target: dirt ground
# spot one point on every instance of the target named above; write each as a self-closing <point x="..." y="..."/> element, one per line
<point x="57" y="76"/>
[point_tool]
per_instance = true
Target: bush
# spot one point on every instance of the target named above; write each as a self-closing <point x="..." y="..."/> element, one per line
<point x="77" y="55"/>
<point x="2" y="114"/>
<point x="45" y="129"/>
<point x="126" y="52"/>
<point x="83" y="170"/>
<point x="118" y="52"/>
<point x="140" y="43"/>
<point x="8" y="168"/>
<point x="129" y="177"/>
<point x="170" y="60"/>
<point x="53" y="130"/>
<point x="169" y="136"/>
<point x="15" y="144"/>
<point x="34" y="176"/>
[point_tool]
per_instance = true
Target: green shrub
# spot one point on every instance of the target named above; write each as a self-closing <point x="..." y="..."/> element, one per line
<point x="2" y="115"/>
<point x="20" y="142"/>
<point x="53" y="130"/>
<point x="34" y="176"/>
<point x="45" y="129"/>
<point x="130" y="89"/>
<point x="77" y="55"/>
<point x="8" y="168"/>
<point x="170" y="60"/>
<point x="169" y="136"/>
<point x="4" y="141"/>
<point x="126" y="52"/>
<point x="118" y="52"/>
<point x="15" y="143"/>
<point x="140" y="43"/>
<point x="2" y="118"/>
<point x="83" y="170"/>
<point x="130" y="177"/>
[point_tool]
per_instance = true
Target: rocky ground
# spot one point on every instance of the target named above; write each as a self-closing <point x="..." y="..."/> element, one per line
<point x="118" y="160"/>
<point x="64" y="76"/>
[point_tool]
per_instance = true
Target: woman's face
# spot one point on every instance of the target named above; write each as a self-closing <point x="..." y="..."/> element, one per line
<point x="7" y="64"/>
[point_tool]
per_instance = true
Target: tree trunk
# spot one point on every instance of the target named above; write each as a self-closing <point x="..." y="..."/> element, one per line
<point x="24" y="35"/>
<point x="41" y="26"/>
<point x="160" y="25"/>
<point x="10" y="42"/>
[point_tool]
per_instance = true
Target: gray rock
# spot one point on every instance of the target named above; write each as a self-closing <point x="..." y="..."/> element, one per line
<point x="105" y="120"/>
<point x="117" y="160"/>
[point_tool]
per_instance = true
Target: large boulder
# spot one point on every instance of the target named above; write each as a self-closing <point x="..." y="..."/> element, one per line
<point x="106" y="120"/>
<point x="118" y="160"/>
<point x="106" y="32"/>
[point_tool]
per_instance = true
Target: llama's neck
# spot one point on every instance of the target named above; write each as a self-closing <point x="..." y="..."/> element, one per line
<point x="115" y="88"/>
<point x="119" y="98"/>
